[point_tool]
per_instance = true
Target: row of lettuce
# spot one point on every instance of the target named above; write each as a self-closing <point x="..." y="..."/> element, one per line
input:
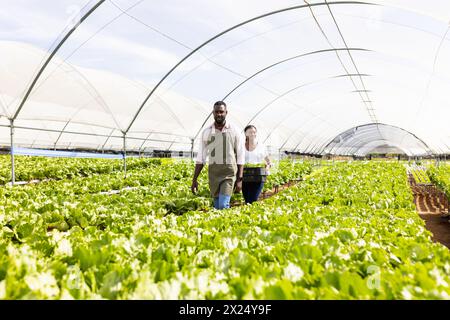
<point x="440" y="176"/>
<point x="29" y="214"/>
<point x="29" y="168"/>
<point x="348" y="231"/>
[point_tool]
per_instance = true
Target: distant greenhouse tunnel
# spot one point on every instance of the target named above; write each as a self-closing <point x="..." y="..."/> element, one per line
<point x="361" y="140"/>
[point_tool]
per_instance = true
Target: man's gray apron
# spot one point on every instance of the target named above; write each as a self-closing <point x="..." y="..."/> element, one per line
<point x="222" y="167"/>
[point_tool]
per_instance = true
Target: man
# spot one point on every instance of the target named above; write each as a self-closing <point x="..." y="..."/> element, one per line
<point x="224" y="146"/>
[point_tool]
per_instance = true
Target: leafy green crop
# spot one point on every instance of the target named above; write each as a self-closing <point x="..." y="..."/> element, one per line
<point x="29" y="168"/>
<point x="348" y="231"/>
<point x="440" y="176"/>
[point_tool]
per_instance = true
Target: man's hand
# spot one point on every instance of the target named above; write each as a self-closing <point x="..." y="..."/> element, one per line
<point x="238" y="186"/>
<point x="194" y="186"/>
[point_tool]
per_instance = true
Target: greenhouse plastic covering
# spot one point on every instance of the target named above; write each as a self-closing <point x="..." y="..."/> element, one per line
<point x="85" y="74"/>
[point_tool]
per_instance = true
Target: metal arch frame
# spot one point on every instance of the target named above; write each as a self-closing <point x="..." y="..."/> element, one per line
<point x="353" y="147"/>
<point x="313" y="145"/>
<point x="296" y="88"/>
<point x="313" y="142"/>
<point x="271" y="66"/>
<point x="319" y="116"/>
<point x="107" y="139"/>
<point x="290" y="91"/>
<point x="100" y="2"/>
<point x="320" y="149"/>
<point x="225" y="32"/>
<point x="53" y="53"/>
<point x="95" y="95"/>
<point x="303" y="138"/>
<point x="351" y="143"/>
<point x="70" y="121"/>
<point x="397" y="145"/>
<point x="315" y="149"/>
<point x="387" y="125"/>
<point x="36" y="78"/>
<point x="382" y="124"/>
<point x="93" y="134"/>
<point x="90" y="134"/>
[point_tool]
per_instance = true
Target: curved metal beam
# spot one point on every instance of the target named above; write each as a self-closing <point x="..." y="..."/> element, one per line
<point x="316" y="149"/>
<point x="354" y="147"/>
<point x="318" y="116"/>
<point x="146" y="138"/>
<point x="68" y="122"/>
<point x="366" y="138"/>
<point x="383" y="124"/>
<point x="226" y="31"/>
<point x="50" y="57"/>
<point x="106" y="141"/>
<point x="278" y="63"/>
<point x="387" y="125"/>
<point x="296" y="88"/>
<point x="293" y="58"/>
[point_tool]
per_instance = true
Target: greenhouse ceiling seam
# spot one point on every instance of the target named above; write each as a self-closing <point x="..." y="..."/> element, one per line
<point x="268" y="67"/>
<point x="225" y="50"/>
<point x="382" y="124"/>
<point x="219" y="35"/>
<point x="337" y="54"/>
<point x="294" y="89"/>
<point x="319" y="115"/>
<point x="314" y="116"/>
<point x="374" y="118"/>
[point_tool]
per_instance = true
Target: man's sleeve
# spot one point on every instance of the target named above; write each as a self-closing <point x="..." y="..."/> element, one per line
<point x="240" y="149"/>
<point x="201" y="154"/>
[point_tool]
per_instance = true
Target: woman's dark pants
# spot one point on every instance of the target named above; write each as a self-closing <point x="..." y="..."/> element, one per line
<point x="251" y="190"/>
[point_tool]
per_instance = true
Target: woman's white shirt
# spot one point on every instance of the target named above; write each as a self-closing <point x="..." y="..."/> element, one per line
<point x="257" y="155"/>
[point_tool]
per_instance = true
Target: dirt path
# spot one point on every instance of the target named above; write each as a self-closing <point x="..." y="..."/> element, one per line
<point x="270" y="193"/>
<point x="432" y="205"/>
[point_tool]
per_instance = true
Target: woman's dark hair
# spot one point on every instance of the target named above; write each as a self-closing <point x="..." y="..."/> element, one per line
<point x="249" y="127"/>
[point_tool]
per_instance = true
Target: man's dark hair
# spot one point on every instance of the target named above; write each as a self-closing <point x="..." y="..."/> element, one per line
<point x="249" y="127"/>
<point x="220" y="103"/>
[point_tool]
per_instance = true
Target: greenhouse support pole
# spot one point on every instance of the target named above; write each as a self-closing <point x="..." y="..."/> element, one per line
<point x="125" y="154"/>
<point x="13" y="174"/>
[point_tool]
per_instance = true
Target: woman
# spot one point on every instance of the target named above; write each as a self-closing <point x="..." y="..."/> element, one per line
<point x="255" y="153"/>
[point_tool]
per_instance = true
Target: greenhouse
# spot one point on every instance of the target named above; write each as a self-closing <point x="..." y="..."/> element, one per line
<point x="107" y="108"/>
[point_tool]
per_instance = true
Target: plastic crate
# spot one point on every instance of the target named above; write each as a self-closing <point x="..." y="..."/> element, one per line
<point x="256" y="174"/>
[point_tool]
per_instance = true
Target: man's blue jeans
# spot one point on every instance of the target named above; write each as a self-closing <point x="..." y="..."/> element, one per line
<point x="222" y="201"/>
